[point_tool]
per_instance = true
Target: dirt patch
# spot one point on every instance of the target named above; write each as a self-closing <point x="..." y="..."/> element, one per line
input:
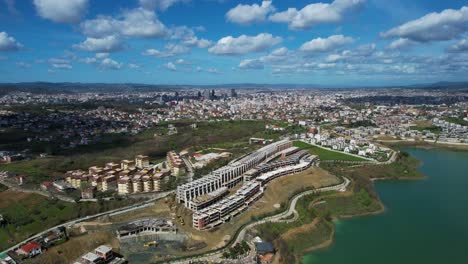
<point x="9" y="197"/>
<point x="76" y="247"/>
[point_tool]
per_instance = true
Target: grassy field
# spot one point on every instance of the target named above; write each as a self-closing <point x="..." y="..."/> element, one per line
<point x="28" y="214"/>
<point x="314" y="227"/>
<point x="404" y="167"/>
<point x="74" y="248"/>
<point x="348" y="205"/>
<point x="456" y="120"/>
<point x="293" y="239"/>
<point x="224" y="134"/>
<point x="326" y="154"/>
<point x="433" y="129"/>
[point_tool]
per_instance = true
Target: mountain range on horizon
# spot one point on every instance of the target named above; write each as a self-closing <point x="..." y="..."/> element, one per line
<point x="80" y="86"/>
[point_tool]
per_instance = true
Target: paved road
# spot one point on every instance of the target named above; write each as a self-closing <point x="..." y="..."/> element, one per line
<point x="281" y="217"/>
<point x="110" y="213"/>
<point x="40" y="192"/>
<point x="337" y="151"/>
<point x="369" y="160"/>
<point x="189" y="167"/>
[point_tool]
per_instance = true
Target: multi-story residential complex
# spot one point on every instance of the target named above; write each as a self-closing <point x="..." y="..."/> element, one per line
<point x="224" y="209"/>
<point x="175" y="163"/>
<point x="126" y="178"/>
<point x="227" y="208"/>
<point x="302" y="165"/>
<point x="141" y="161"/>
<point x="208" y="199"/>
<point x="293" y="156"/>
<point x="229" y="175"/>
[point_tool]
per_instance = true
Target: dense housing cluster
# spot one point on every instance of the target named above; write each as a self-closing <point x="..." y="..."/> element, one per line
<point x="127" y="177"/>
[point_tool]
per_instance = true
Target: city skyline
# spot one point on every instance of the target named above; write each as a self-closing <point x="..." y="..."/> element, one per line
<point x="329" y="43"/>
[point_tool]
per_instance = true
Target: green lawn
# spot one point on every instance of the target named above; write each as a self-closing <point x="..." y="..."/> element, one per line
<point x="433" y="129"/>
<point x="456" y="120"/>
<point x="360" y="203"/>
<point x="38" y="170"/>
<point x="294" y="247"/>
<point x="404" y="167"/>
<point x="29" y="214"/>
<point x="326" y="154"/>
<point x="270" y="231"/>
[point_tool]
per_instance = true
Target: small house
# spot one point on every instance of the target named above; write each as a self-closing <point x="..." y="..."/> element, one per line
<point x="31" y="249"/>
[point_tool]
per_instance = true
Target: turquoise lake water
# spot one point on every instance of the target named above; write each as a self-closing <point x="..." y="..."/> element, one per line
<point x="425" y="221"/>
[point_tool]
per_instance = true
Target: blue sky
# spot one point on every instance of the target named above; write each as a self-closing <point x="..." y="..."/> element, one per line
<point x="341" y="42"/>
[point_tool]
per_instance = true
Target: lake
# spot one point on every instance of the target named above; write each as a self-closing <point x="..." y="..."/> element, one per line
<point x="425" y="221"/>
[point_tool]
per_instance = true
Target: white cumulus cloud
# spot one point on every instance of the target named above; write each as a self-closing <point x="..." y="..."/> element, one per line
<point x="60" y="63"/>
<point x="244" y="44"/>
<point x="138" y="22"/>
<point x="110" y="64"/>
<point x="445" y="25"/>
<point x="170" y="66"/>
<point x="325" y="44"/>
<point x="170" y="50"/>
<point x="316" y="13"/>
<point x="61" y="11"/>
<point x="188" y="37"/>
<point x="251" y="64"/>
<point x="400" y="44"/>
<point x="248" y="14"/>
<point x="8" y="43"/>
<point x="105" y="44"/>
<point x="460" y="46"/>
<point x="159" y="4"/>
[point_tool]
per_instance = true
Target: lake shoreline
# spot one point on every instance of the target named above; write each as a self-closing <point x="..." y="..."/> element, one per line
<point x="425" y="145"/>
<point x="402" y="199"/>
<point x="331" y="240"/>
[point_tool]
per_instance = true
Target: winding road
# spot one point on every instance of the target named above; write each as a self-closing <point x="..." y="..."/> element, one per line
<point x="281" y="217"/>
<point x="127" y="209"/>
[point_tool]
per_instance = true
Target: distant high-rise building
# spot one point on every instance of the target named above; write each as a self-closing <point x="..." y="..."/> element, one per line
<point x="233" y="93"/>
<point x="206" y="94"/>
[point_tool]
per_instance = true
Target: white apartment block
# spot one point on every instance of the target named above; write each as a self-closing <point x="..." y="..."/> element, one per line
<point x="229" y="175"/>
